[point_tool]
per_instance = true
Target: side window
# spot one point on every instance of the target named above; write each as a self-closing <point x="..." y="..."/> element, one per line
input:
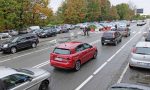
<point x="22" y="39"/>
<point x="27" y="38"/>
<point x="14" y="80"/>
<point x="86" y="46"/>
<point x="80" y="48"/>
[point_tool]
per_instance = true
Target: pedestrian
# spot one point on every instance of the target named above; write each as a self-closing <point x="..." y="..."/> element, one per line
<point x="84" y="31"/>
<point x="116" y="27"/>
<point x="2" y="86"/>
<point x="87" y="31"/>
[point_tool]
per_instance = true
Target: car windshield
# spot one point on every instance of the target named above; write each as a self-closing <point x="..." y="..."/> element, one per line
<point x="25" y="71"/>
<point x="108" y="35"/>
<point x="45" y="30"/>
<point x="143" y="50"/>
<point x="62" y="51"/>
<point x="14" y="39"/>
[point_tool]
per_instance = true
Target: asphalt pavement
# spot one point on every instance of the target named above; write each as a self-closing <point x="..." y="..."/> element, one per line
<point x="109" y="67"/>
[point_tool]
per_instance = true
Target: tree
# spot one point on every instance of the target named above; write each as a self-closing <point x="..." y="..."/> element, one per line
<point x="124" y="11"/>
<point x="93" y="10"/>
<point x="105" y="9"/>
<point x="73" y="11"/>
<point x="113" y="13"/>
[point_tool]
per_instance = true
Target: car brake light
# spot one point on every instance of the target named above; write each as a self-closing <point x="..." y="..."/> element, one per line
<point x="133" y="50"/>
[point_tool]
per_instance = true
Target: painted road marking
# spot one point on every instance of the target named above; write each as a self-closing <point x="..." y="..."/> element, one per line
<point x="105" y="63"/>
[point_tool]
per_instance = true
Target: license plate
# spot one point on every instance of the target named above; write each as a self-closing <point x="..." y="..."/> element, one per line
<point x="107" y="40"/>
<point x="58" y="59"/>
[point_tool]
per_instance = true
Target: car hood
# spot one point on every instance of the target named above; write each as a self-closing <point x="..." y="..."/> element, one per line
<point x="37" y="72"/>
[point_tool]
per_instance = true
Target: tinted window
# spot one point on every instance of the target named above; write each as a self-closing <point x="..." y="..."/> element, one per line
<point x="108" y="35"/>
<point x="80" y="48"/>
<point x="142" y="50"/>
<point x="61" y="51"/>
<point x="14" y="80"/>
<point x="86" y="46"/>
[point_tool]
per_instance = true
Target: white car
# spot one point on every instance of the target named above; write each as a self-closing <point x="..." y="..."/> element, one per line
<point x="140" y="56"/>
<point x="24" y="79"/>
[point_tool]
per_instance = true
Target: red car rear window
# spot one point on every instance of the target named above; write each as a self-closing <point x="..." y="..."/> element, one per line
<point x="62" y="51"/>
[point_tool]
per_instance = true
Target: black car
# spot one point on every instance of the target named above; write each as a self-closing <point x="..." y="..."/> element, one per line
<point x="19" y="42"/>
<point x="111" y="37"/>
<point x="48" y="32"/>
<point x="148" y="37"/>
<point x="36" y="31"/>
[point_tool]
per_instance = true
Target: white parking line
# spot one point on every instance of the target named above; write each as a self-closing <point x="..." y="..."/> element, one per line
<point x="123" y="73"/>
<point x="105" y="63"/>
<point x="86" y="81"/>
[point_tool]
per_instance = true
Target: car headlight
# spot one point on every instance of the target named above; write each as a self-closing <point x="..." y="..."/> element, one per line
<point x="5" y="45"/>
<point x="43" y="33"/>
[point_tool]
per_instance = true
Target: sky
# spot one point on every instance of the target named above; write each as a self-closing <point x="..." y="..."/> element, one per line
<point x="145" y="4"/>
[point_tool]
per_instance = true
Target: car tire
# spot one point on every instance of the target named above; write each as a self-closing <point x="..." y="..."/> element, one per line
<point x="13" y="50"/>
<point x="131" y="66"/>
<point x="115" y="44"/>
<point x="102" y="44"/>
<point x="34" y="45"/>
<point x="120" y="40"/>
<point x="44" y="85"/>
<point x="95" y="55"/>
<point x="77" y="65"/>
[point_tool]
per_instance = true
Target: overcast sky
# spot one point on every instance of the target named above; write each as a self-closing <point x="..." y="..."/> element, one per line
<point x="145" y="4"/>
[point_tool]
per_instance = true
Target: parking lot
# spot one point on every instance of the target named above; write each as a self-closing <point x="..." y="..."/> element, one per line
<point x="110" y="67"/>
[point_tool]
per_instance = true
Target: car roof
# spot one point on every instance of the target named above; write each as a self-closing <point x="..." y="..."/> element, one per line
<point x="143" y="44"/>
<point x="109" y="32"/>
<point x="6" y="71"/>
<point x="69" y="45"/>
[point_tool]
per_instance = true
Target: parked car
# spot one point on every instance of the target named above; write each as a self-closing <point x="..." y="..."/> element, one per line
<point x="11" y="32"/>
<point x="147" y="38"/>
<point x="111" y="37"/>
<point x="4" y="36"/>
<point x="126" y="86"/>
<point x="140" y="55"/>
<point x="124" y="31"/>
<point x="24" y="79"/>
<point x="140" y="23"/>
<point x="36" y="31"/>
<point x="47" y="33"/>
<point x="72" y="55"/>
<point x="19" y="42"/>
<point x="64" y="29"/>
<point x="31" y="28"/>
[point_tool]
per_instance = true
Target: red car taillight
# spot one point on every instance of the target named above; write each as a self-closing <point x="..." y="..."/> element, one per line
<point x="133" y="50"/>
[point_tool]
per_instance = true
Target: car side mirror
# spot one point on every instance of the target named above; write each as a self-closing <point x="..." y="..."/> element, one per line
<point x="30" y="79"/>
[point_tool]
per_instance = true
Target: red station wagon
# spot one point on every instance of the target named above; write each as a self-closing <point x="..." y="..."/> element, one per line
<point x="72" y="55"/>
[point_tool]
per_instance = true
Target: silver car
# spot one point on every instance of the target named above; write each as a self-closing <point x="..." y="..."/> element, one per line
<point x="140" y="56"/>
<point x="24" y="79"/>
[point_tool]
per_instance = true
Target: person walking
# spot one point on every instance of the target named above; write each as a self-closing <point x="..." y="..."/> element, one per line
<point x="87" y="31"/>
<point x="84" y="31"/>
<point x="2" y="86"/>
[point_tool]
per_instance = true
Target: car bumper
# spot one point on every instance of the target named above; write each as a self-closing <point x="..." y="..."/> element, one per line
<point x="139" y="63"/>
<point x="63" y="65"/>
<point x="109" y="41"/>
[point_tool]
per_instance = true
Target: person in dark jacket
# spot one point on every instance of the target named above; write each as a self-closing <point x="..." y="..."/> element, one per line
<point x="2" y="86"/>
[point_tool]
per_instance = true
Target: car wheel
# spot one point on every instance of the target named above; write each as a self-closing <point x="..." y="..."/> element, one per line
<point x="77" y="65"/>
<point x="115" y="43"/>
<point x="34" y="45"/>
<point x="44" y="85"/>
<point x="120" y="40"/>
<point x="95" y="55"/>
<point x="13" y="50"/>
<point x="102" y="44"/>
